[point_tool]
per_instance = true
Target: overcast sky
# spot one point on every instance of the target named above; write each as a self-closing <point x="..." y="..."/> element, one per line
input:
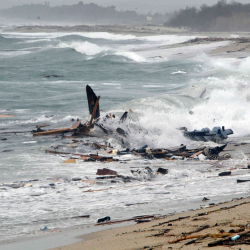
<point x="142" y="6"/>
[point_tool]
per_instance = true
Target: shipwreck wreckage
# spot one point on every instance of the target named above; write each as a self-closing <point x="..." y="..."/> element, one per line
<point x="79" y="130"/>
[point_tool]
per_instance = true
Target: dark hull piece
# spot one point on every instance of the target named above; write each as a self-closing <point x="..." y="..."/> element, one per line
<point x="216" y="134"/>
<point x="92" y="98"/>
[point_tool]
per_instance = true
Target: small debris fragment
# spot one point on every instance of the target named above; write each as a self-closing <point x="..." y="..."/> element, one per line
<point x="106" y="171"/>
<point x="105" y="219"/>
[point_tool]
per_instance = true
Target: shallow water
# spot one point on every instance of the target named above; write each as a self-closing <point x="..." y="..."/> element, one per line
<point x="160" y="84"/>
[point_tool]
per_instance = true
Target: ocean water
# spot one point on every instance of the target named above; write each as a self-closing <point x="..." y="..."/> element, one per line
<point x="158" y="83"/>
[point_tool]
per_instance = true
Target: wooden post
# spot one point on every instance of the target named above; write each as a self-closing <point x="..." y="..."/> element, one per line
<point x="94" y="111"/>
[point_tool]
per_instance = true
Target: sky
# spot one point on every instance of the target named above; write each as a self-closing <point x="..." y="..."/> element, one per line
<point x="141" y="6"/>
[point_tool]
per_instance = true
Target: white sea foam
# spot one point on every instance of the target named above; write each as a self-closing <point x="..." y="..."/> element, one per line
<point x="132" y="56"/>
<point x="111" y="84"/>
<point x="179" y="72"/>
<point x="86" y="48"/>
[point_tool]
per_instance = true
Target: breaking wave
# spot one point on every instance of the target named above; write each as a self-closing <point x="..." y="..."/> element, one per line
<point x="85" y="48"/>
<point x="132" y="56"/>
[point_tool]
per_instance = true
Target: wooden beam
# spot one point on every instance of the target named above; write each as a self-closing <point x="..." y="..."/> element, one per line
<point x="94" y="111"/>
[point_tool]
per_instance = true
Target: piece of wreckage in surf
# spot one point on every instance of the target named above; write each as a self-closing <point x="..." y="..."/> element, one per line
<point x="217" y="134"/>
<point x="78" y="129"/>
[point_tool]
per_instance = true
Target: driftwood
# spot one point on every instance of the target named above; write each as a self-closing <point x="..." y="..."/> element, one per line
<point x="198" y="229"/>
<point x="222" y="241"/>
<point x="219" y="235"/>
<point x="3" y="116"/>
<point x="92" y="156"/>
<point x="166" y="222"/>
<point x="132" y="219"/>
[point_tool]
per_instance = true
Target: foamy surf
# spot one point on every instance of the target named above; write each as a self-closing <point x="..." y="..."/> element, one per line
<point x="129" y="73"/>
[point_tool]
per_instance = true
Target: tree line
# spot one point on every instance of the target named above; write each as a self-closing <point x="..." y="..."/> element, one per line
<point x="221" y="16"/>
<point x="87" y="13"/>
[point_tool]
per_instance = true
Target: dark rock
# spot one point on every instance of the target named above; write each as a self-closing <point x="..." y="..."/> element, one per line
<point x="76" y="179"/>
<point x="107" y="218"/>
<point x="224" y="173"/>
<point x="4" y="139"/>
<point x="162" y="170"/>
<point x="14" y="185"/>
<point x="205" y="199"/>
<point x="240" y="181"/>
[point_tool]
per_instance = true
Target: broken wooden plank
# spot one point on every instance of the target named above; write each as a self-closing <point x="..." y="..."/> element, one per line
<point x="222" y="241"/>
<point x="92" y="156"/>
<point x="132" y="219"/>
<point x="70" y="161"/>
<point x="4" y="116"/>
<point x="94" y="111"/>
<point x="196" y="154"/>
<point x="52" y="132"/>
<point x="60" y="131"/>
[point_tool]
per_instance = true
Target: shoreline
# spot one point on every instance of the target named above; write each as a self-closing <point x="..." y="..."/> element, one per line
<point x="157" y="234"/>
<point x="101" y="238"/>
<point x="239" y="42"/>
<point x="138" y="30"/>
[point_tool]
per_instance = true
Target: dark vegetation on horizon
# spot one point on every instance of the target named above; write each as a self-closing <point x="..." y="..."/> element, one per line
<point x="81" y="13"/>
<point x="222" y="16"/>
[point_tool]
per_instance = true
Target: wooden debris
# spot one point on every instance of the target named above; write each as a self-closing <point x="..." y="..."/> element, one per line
<point x="132" y="219"/>
<point x="60" y="131"/>
<point x="106" y="171"/>
<point x="166" y="222"/>
<point x="196" y="154"/>
<point x="91" y="156"/>
<point x="94" y="111"/>
<point x="4" y="116"/>
<point x="226" y="240"/>
<point x="70" y="161"/>
<point x="182" y="238"/>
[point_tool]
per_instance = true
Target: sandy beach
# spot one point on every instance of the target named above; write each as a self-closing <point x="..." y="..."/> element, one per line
<point x="188" y="230"/>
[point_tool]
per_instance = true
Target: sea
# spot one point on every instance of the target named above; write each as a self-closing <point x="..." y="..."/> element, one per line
<point x="163" y="85"/>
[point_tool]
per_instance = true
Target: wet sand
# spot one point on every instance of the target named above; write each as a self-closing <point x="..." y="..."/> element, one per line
<point x="205" y="226"/>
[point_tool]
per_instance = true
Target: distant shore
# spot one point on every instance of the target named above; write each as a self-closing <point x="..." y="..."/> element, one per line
<point x="117" y="29"/>
<point x="237" y="47"/>
<point x="122" y="29"/>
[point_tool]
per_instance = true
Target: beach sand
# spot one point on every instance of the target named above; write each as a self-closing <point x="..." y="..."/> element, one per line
<point x="215" y="222"/>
